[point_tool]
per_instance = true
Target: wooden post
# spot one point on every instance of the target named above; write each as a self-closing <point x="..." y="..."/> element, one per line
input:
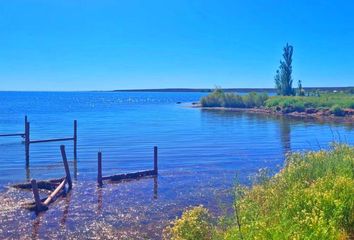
<point x="27" y="142"/>
<point x="99" y="169"/>
<point x="155" y="187"/>
<point x="75" y="140"/>
<point x="66" y="166"/>
<point x="37" y="199"/>
<point x="155" y="160"/>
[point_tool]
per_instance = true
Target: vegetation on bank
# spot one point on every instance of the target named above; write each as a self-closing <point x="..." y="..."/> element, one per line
<point x="335" y="102"/>
<point x="311" y="198"/>
<point x="218" y="98"/>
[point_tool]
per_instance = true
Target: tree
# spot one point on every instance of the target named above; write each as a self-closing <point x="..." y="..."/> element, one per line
<point x="283" y="79"/>
<point x="300" y="89"/>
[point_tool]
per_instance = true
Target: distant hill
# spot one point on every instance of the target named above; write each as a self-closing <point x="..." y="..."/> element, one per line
<point x="229" y="89"/>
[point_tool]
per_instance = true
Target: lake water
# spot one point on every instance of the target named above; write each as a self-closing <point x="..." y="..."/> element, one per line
<point x="200" y="154"/>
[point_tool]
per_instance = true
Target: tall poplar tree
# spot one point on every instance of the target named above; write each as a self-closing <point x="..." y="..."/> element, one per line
<point x="283" y="79"/>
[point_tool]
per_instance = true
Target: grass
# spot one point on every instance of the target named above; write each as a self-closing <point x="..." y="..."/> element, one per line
<point x="311" y="198"/>
<point x="327" y="100"/>
<point x="334" y="102"/>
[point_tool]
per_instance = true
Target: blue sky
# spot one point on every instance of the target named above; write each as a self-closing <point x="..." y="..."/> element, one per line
<point x="103" y="45"/>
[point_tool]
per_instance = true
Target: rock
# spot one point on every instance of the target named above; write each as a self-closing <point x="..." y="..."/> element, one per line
<point x="310" y="110"/>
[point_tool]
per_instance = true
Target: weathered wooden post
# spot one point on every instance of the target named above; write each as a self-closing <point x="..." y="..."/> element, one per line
<point x="155" y="187"/>
<point x="37" y="199"/>
<point x="155" y="160"/>
<point x="27" y="142"/>
<point x="75" y="139"/>
<point x="99" y="169"/>
<point x="66" y="166"/>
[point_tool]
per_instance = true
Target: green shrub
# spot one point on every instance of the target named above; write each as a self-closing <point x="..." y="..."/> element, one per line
<point x="230" y="100"/>
<point x="233" y="101"/>
<point x="195" y="224"/>
<point x="254" y="100"/>
<point x="299" y="106"/>
<point x="215" y="99"/>
<point x="337" y="111"/>
<point x="312" y="197"/>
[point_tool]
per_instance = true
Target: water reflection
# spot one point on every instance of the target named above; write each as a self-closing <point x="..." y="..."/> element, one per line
<point x="285" y="135"/>
<point x="100" y="190"/>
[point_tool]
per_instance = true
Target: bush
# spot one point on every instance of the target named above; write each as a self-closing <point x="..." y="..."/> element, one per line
<point x="310" y="198"/>
<point x="230" y="100"/>
<point x="233" y="101"/>
<point x="337" y="111"/>
<point x="195" y="224"/>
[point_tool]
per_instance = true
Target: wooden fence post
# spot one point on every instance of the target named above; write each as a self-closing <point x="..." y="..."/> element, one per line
<point x="37" y="199"/>
<point x="66" y="166"/>
<point x="27" y="142"/>
<point x="155" y="160"/>
<point x="75" y="140"/>
<point x="99" y="169"/>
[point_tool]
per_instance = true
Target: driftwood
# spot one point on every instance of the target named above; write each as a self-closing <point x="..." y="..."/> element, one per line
<point x="57" y="186"/>
<point x="128" y="176"/>
<point x="46" y="184"/>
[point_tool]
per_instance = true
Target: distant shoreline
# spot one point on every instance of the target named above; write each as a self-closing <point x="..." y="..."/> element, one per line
<point x="227" y="89"/>
<point x="202" y="90"/>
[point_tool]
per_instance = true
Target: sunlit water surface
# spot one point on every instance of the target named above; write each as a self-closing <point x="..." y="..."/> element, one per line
<point x="200" y="154"/>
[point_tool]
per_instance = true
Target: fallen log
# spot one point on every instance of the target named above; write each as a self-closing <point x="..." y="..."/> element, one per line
<point x="128" y="176"/>
<point x="50" y="184"/>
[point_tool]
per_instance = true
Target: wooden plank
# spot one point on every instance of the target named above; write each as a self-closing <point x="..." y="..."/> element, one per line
<point x="135" y="175"/>
<point x="52" y="140"/>
<point x="66" y="166"/>
<point x="54" y="193"/>
<point x="47" y="184"/>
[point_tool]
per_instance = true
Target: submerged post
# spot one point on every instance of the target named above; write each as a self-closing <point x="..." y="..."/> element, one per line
<point x="37" y="199"/>
<point x="75" y="140"/>
<point x="27" y="141"/>
<point x="155" y="160"/>
<point x="99" y="169"/>
<point x="66" y="166"/>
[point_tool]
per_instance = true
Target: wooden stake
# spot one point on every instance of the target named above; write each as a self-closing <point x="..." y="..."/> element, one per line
<point x="75" y="140"/>
<point x="27" y="142"/>
<point x="37" y="199"/>
<point x="155" y="160"/>
<point x="99" y="169"/>
<point x="66" y="166"/>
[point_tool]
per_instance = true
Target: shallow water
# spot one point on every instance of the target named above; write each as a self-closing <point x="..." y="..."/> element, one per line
<point x="200" y="153"/>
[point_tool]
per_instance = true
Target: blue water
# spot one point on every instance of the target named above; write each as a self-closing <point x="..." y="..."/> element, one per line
<point x="200" y="151"/>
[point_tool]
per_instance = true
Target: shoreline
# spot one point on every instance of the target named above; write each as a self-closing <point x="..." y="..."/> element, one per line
<point x="308" y="114"/>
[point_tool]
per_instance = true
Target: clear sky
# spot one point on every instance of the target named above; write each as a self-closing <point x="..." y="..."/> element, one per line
<point x="104" y="45"/>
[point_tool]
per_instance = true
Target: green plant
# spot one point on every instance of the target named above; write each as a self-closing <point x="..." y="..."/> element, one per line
<point x="233" y="101"/>
<point x="337" y="111"/>
<point x="195" y="224"/>
<point x="312" y="197"/>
